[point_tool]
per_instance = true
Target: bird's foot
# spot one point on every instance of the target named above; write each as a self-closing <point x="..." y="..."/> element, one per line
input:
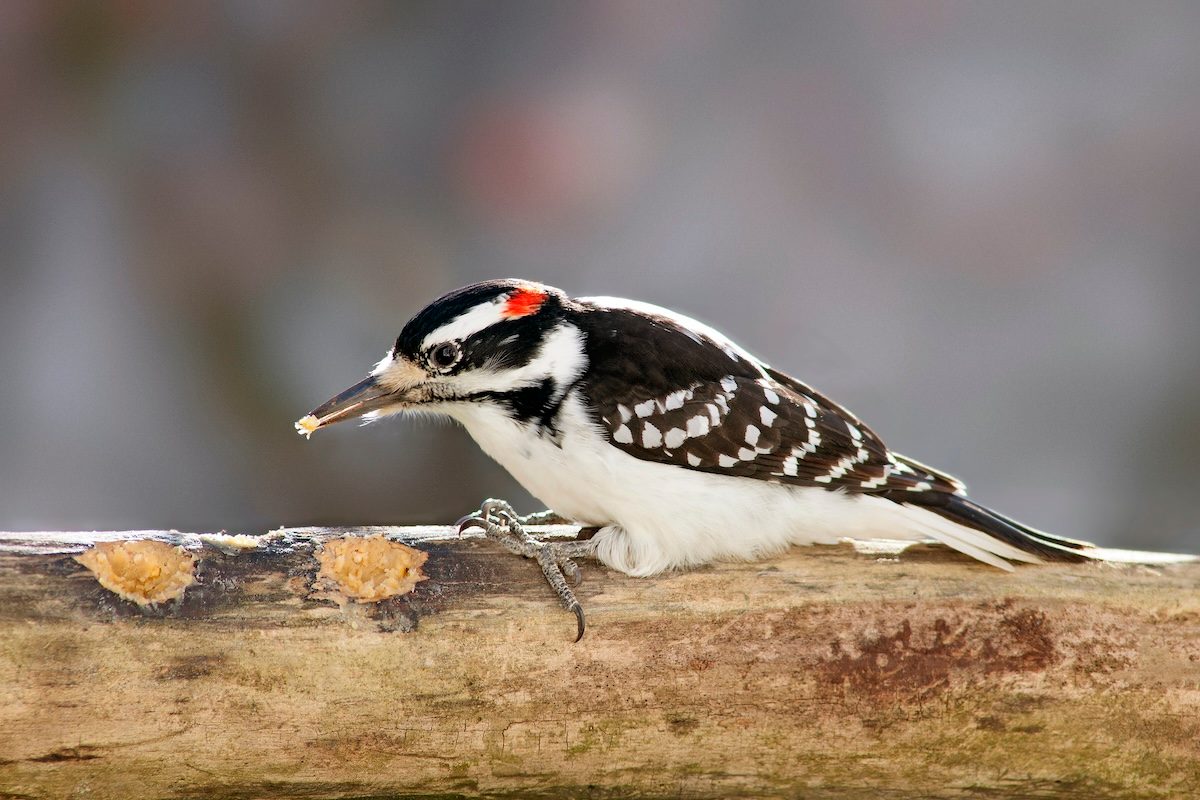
<point x="557" y="559"/>
<point x="492" y="508"/>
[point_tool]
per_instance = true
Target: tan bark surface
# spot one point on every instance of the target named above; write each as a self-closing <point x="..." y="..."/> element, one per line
<point x="829" y="672"/>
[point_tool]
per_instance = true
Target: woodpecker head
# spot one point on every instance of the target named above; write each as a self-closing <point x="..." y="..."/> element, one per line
<point x="502" y="343"/>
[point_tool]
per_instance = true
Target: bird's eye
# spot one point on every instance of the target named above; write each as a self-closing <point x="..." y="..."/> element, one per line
<point x="446" y="355"/>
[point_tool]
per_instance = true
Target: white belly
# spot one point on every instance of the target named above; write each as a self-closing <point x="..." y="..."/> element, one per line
<point x="656" y="517"/>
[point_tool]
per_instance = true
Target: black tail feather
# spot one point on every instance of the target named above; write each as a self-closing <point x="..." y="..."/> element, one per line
<point x="959" y="509"/>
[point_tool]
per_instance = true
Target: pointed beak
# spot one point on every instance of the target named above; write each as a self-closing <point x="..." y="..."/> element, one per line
<point x="362" y="398"/>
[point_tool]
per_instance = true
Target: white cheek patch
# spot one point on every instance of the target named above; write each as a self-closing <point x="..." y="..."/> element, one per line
<point x="561" y="356"/>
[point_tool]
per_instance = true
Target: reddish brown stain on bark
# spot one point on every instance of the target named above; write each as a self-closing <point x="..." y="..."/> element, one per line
<point x="922" y="657"/>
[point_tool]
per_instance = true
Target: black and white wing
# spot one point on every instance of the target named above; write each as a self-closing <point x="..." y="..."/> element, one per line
<point x="693" y="400"/>
<point x="689" y="398"/>
<point x="762" y="428"/>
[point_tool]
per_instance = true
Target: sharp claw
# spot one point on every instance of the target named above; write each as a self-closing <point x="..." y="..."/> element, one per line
<point x="578" y="609"/>
<point x="499" y="508"/>
<point x="471" y="521"/>
<point x="494" y="516"/>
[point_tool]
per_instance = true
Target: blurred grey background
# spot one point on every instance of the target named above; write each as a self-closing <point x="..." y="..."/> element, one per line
<point x="977" y="224"/>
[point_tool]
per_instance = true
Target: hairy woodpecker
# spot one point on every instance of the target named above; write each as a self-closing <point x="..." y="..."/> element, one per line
<point x="675" y="443"/>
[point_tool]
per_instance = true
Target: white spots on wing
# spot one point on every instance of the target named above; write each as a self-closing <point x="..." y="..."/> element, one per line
<point x="645" y="409"/>
<point x="752" y="434"/>
<point x="839" y="469"/>
<point x="746" y="454"/>
<point x="697" y="425"/>
<point x="729" y="384"/>
<point x="855" y="433"/>
<point x="726" y="461"/>
<point x="723" y="401"/>
<point x="769" y="393"/>
<point x="789" y="465"/>
<point x="811" y="423"/>
<point x="651" y="437"/>
<point x="713" y="414"/>
<point x="767" y="416"/>
<point x="875" y="483"/>
<point x="923" y="486"/>
<point x="675" y="400"/>
<point x="623" y="435"/>
<point x="693" y="459"/>
<point x="674" y="437"/>
<point x="810" y="408"/>
<point x="625" y="413"/>
<point x="814" y="441"/>
<point x="844" y="465"/>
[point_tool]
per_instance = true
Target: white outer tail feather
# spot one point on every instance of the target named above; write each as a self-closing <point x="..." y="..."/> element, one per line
<point x="974" y="543"/>
<point x="993" y="551"/>
<point x="1137" y="556"/>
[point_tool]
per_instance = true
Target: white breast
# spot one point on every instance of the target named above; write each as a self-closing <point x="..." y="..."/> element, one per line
<point x="656" y="517"/>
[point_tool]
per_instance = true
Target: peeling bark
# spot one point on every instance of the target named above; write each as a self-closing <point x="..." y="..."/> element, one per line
<point x="828" y="672"/>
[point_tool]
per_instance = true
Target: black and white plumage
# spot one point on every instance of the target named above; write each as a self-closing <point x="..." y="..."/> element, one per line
<point x="677" y="444"/>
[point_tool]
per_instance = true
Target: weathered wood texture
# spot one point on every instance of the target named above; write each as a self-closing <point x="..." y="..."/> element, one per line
<point x="825" y="673"/>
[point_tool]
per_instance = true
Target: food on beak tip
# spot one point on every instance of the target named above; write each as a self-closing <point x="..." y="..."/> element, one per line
<point x="306" y="426"/>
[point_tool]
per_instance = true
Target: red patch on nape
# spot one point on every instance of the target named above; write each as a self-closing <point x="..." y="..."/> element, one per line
<point x="522" y="303"/>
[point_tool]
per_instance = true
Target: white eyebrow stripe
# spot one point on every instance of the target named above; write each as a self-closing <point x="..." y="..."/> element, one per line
<point x="469" y="322"/>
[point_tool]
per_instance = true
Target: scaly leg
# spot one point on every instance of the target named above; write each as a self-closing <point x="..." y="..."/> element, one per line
<point x="496" y="507"/>
<point x="499" y="522"/>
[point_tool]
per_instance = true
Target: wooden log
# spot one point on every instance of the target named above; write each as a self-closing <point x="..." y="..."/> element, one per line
<point x="828" y="672"/>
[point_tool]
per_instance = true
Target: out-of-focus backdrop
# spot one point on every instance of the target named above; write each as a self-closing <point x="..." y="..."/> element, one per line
<point x="975" y="224"/>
